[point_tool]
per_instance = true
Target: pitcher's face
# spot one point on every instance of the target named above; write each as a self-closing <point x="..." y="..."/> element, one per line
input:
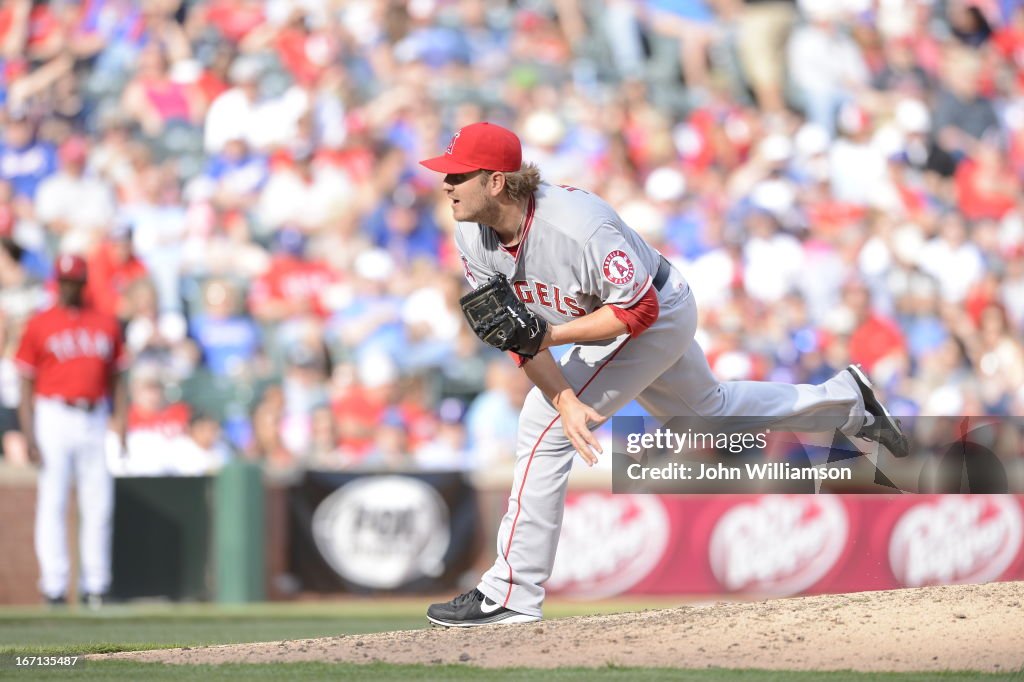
<point x="469" y="195"/>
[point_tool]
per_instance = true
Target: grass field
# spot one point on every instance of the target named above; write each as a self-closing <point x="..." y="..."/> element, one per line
<point x="121" y="628"/>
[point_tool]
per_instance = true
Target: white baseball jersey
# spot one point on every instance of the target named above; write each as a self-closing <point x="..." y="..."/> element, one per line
<point x="576" y="255"/>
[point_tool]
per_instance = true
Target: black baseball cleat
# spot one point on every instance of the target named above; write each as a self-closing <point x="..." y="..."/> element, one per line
<point x="473" y="608"/>
<point x="56" y="602"/>
<point x="885" y="430"/>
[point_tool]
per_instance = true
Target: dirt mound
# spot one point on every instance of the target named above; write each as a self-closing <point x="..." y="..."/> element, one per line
<point x="965" y="627"/>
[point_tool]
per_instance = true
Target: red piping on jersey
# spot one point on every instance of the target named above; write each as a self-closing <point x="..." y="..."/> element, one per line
<point x="642" y="291"/>
<point x="519" y="497"/>
<point x="514" y="251"/>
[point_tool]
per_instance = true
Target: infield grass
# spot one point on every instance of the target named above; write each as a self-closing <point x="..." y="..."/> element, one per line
<point x="150" y="626"/>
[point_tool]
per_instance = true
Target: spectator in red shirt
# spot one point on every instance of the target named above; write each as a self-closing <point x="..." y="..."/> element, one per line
<point x="149" y="410"/>
<point x="214" y="80"/>
<point x="153" y="426"/>
<point x="361" y="403"/>
<point x="293" y="286"/>
<point x="113" y="268"/>
<point x="985" y="185"/>
<point x="305" y="53"/>
<point x="30" y="28"/>
<point x="358" y="405"/>
<point x="234" y="19"/>
<point x="875" y="337"/>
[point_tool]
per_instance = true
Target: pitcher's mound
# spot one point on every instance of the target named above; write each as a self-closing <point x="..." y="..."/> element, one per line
<point x="963" y="627"/>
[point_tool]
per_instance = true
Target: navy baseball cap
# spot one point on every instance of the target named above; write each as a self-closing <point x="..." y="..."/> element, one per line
<point x="289" y="240"/>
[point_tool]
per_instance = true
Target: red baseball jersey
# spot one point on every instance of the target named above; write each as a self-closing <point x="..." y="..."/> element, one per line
<point x="290" y="279"/>
<point x="169" y="421"/>
<point x="109" y="280"/>
<point x="72" y="353"/>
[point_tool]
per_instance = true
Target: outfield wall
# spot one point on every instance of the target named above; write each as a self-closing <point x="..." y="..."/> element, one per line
<point x="428" y="533"/>
<point x="780" y="545"/>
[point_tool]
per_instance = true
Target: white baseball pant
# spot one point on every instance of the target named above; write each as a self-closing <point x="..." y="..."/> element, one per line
<point x="72" y="445"/>
<point x="667" y="373"/>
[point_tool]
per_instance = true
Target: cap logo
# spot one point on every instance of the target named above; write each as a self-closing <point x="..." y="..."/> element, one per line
<point x="451" y="145"/>
<point x="65" y="263"/>
<point x="478" y="146"/>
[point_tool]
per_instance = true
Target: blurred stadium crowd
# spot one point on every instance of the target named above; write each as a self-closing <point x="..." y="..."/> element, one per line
<point x="838" y="179"/>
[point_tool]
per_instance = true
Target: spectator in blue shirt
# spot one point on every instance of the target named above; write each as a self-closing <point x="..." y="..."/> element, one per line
<point x="24" y="162"/>
<point x="229" y="341"/>
<point x="404" y="227"/>
<point x="238" y="172"/>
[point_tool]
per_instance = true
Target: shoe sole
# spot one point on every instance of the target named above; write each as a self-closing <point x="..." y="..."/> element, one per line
<point x="513" y="619"/>
<point x="876" y="408"/>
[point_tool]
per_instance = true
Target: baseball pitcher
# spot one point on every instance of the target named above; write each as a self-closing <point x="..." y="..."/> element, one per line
<point x="556" y="265"/>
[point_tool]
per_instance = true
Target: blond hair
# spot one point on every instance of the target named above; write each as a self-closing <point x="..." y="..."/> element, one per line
<point x="523" y="182"/>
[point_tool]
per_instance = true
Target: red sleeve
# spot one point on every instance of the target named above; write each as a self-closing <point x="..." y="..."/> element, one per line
<point x="641" y="315"/>
<point x="27" y="357"/>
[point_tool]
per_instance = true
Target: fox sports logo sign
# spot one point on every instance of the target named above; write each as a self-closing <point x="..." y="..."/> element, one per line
<point x="383" y="532"/>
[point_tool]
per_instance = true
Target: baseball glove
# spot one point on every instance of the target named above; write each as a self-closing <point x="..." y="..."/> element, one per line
<point x="501" y="320"/>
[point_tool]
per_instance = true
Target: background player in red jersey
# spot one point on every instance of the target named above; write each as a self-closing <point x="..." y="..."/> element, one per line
<point x="69" y="358"/>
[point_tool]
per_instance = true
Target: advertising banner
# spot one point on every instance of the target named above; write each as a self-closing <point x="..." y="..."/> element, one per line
<point x="781" y="545"/>
<point x="381" y="532"/>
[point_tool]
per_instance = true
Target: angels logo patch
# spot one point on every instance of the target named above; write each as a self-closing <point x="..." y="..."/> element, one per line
<point x="618" y="268"/>
<point x="451" y="145"/>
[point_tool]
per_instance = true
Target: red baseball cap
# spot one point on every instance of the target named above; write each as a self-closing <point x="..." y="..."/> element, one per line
<point x="74" y="150"/>
<point x="479" y="146"/>
<point x="71" y="267"/>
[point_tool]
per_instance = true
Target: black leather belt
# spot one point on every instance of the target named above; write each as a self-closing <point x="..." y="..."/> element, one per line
<point x="81" y="403"/>
<point x="664" y="270"/>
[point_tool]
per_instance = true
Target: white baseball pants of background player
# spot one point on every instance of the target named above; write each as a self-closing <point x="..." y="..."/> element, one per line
<point x="667" y="373"/>
<point x="72" y="445"/>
